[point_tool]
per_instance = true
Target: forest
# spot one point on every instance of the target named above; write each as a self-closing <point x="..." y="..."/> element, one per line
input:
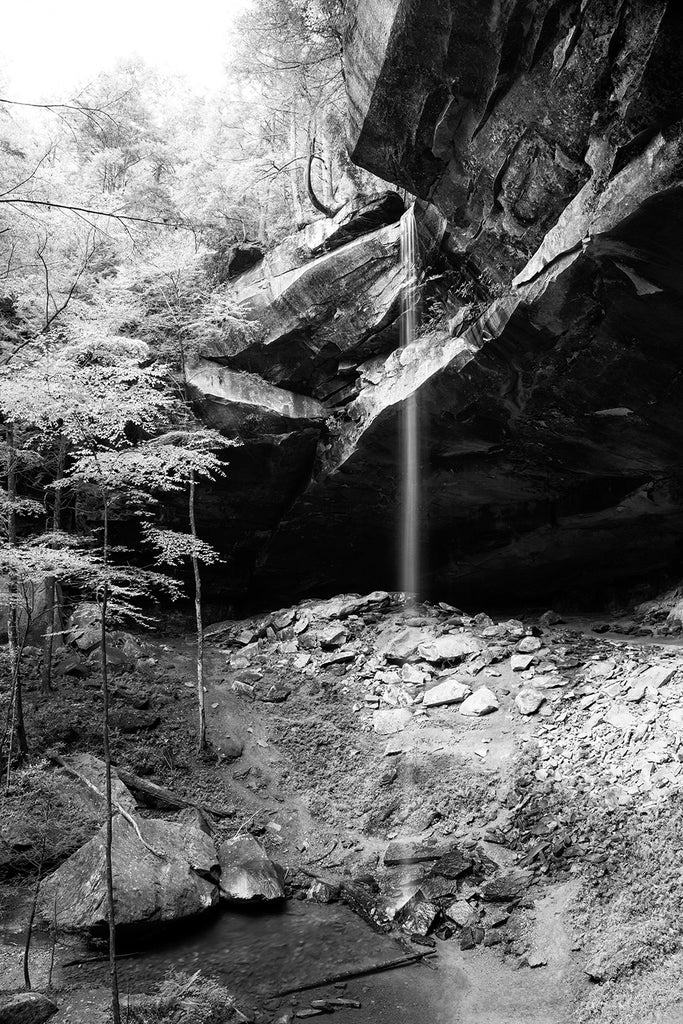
<point x="340" y="524"/>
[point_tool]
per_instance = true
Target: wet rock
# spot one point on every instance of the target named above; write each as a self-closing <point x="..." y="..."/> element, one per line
<point x="506" y="888"/>
<point x="246" y="871"/>
<point x="405" y="852"/>
<point x="449" y="691"/>
<point x="528" y="701"/>
<point x="322" y="892"/>
<point x="388" y="721"/>
<point x="449" y="647"/>
<point x="482" y="702"/>
<point x="162" y="881"/>
<point x="452" y="864"/>
<point x="26" y="1008"/>
<point x="471" y="936"/>
<point x="417" y="916"/>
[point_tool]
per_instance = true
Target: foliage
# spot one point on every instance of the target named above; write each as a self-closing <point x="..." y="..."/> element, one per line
<point x="41" y="807"/>
<point x="187" y="1000"/>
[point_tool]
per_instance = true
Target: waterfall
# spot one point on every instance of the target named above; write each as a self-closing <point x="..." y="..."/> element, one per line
<point x="409" y="427"/>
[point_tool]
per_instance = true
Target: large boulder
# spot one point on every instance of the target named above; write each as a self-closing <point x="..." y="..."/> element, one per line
<point x="26" y="1008"/>
<point x="162" y="877"/>
<point x="247" y="873"/>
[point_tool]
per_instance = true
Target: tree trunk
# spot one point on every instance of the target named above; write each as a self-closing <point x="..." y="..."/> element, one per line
<point x="297" y="206"/>
<point x="12" y="594"/>
<point x="52" y="606"/>
<point x="200" y="626"/>
<point x="113" y="971"/>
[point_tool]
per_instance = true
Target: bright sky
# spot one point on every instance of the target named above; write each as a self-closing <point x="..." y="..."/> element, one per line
<point x="51" y="47"/>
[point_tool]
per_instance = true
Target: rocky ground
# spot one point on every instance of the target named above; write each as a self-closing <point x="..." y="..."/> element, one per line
<point x="505" y="792"/>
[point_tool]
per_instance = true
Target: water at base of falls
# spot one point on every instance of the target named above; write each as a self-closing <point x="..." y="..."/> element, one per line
<point x="409" y="440"/>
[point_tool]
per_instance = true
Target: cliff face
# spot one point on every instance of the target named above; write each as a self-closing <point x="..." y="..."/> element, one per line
<point x="502" y="111"/>
<point x="546" y="137"/>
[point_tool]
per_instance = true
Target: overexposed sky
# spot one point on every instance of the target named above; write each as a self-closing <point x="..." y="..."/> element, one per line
<point x="50" y="48"/>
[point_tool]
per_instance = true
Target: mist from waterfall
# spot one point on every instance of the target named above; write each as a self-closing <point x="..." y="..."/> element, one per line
<point x="409" y="427"/>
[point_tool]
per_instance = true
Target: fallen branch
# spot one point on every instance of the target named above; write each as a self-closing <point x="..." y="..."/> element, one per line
<point x="101" y="959"/>
<point x="388" y="965"/>
<point x="122" y="811"/>
<point x="165" y="799"/>
<point x="324" y="856"/>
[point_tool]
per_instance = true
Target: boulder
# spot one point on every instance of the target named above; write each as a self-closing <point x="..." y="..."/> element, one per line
<point x="482" y="702"/>
<point x="529" y="700"/>
<point x="150" y="888"/>
<point x="449" y="647"/>
<point x="26" y="1008"/>
<point x="448" y="691"/>
<point x="247" y="873"/>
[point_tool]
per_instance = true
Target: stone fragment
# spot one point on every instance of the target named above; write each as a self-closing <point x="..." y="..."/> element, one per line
<point x="620" y="717"/>
<point x="398" y="647"/>
<point x="506" y="888"/>
<point x="276" y="694"/>
<point x="482" y="702"/>
<point x="449" y="647"/>
<point x="521" y="662"/>
<point x="471" y="936"/>
<point x="243" y="689"/>
<point x="406" y="852"/>
<point x="450" y="691"/>
<point x="528" y="701"/>
<point x="331" y="636"/>
<point x="528" y="645"/>
<point x="417" y="916"/>
<point x="654" y="676"/>
<point x="247" y="873"/>
<point x="26" y="1008"/>
<point x="460" y="912"/>
<point x="452" y="864"/>
<point x="388" y="721"/>
<point x="411" y="674"/>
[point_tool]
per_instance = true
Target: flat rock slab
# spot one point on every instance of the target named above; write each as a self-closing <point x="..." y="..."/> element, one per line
<point x="506" y="888"/>
<point x="410" y="853"/>
<point x="398" y="646"/>
<point x="482" y="702"/>
<point x="452" y="864"/>
<point x="655" y="676"/>
<point x="148" y="889"/>
<point x="26" y="1008"/>
<point x="450" y="691"/>
<point x="521" y="662"/>
<point x="391" y="720"/>
<point x="449" y="647"/>
<point x="620" y="717"/>
<point x="247" y="872"/>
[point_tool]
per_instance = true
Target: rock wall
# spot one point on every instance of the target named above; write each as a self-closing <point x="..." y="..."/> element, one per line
<point x="546" y="139"/>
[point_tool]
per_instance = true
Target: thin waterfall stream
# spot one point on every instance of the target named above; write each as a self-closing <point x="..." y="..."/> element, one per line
<point x="409" y="424"/>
